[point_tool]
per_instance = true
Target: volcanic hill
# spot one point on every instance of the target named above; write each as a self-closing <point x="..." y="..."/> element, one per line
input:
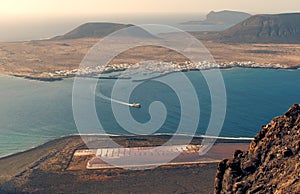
<point x="272" y="163"/>
<point x="277" y="28"/>
<point x="92" y="30"/>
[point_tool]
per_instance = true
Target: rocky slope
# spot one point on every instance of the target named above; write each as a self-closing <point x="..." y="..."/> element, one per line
<point x="272" y="163"/>
<point x="277" y="28"/>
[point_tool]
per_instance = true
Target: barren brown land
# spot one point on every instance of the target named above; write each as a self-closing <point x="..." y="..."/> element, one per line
<point x="39" y="58"/>
<point x="53" y="168"/>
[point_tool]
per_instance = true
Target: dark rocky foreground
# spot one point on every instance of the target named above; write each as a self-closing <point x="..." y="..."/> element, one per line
<point x="272" y="163"/>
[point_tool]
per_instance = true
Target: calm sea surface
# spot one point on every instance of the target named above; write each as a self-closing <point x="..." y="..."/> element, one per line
<point x="33" y="112"/>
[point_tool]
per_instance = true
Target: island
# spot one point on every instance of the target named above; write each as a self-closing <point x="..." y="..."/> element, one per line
<point x="263" y="45"/>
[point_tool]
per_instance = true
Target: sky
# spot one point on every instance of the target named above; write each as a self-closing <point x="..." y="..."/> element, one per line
<point x="35" y="19"/>
<point x="61" y="7"/>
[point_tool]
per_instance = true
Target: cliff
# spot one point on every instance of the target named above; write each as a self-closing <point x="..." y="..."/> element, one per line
<point x="276" y="28"/>
<point x="272" y="163"/>
<point x="224" y="17"/>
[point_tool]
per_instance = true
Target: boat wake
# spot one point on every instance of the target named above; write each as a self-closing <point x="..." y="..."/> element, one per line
<point x="100" y="95"/>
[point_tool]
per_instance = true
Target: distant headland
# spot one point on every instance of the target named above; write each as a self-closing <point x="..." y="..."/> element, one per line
<point x="225" y="17"/>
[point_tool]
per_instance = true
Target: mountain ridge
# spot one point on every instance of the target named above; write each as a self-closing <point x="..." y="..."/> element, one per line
<point x="265" y="28"/>
<point x="262" y="28"/>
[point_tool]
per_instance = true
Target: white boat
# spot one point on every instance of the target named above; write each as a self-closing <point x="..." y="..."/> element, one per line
<point x="135" y="105"/>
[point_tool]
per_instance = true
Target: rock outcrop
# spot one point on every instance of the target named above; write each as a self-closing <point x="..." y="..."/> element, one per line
<point x="272" y="163"/>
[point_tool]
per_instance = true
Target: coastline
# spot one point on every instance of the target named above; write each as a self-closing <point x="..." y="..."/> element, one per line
<point x="47" y="61"/>
<point x="219" y="140"/>
<point x="54" y="162"/>
<point x="60" y="78"/>
<point x="45" y="79"/>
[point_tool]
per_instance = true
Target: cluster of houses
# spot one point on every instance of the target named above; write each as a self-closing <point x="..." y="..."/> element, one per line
<point x="156" y="66"/>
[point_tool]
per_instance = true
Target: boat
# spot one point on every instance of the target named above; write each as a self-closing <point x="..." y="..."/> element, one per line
<point x="135" y="105"/>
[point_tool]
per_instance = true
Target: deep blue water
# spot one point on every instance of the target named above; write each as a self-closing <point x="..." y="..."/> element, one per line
<point x="34" y="112"/>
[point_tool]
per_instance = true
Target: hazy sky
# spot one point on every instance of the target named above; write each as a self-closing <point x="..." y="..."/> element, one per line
<point x="17" y="7"/>
<point x="35" y="19"/>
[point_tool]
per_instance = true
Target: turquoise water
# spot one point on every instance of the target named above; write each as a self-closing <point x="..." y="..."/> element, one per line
<point x="34" y="112"/>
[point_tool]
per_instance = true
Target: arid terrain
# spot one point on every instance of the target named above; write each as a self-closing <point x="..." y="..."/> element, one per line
<point x="52" y="168"/>
<point x="263" y="39"/>
<point x="37" y="58"/>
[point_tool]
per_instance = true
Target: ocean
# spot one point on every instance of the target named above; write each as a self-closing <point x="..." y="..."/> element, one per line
<point x="34" y="112"/>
